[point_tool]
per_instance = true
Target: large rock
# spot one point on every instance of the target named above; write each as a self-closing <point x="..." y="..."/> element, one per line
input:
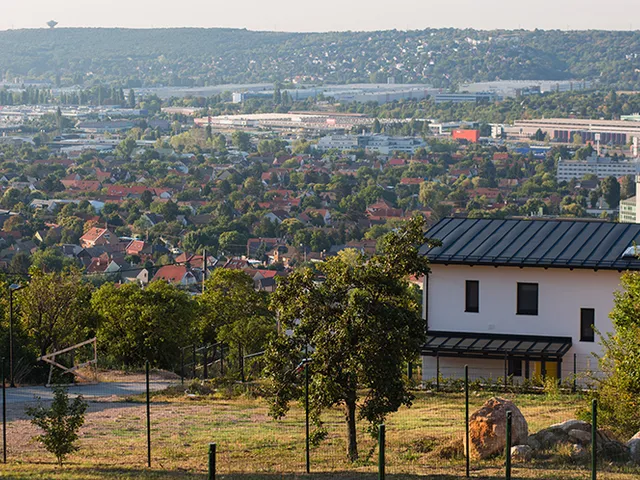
<point x="579" y="453"/>
<point x="580" y="436"/>
<point x="521" y="453"/>
<point x="634" y="448"/>
<point x="568" y="432"/>
<point x="548" y="438"/>
<point x="488" y="427"/>
<point x="569" y="425"/>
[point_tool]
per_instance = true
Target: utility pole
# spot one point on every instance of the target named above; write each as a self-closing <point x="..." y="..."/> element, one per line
<point x="204" y="267"/>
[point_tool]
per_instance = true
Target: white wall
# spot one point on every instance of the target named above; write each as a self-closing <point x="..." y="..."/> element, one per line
<point x="561" y="295"/>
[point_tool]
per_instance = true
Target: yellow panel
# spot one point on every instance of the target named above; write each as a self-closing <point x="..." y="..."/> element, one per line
<point x="536" y="369"/>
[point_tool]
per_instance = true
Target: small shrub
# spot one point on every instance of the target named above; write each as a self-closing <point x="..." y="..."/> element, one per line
<point x="424" y="444"/>
<point x="60" y="423"/>
<point x="453" y="450"/>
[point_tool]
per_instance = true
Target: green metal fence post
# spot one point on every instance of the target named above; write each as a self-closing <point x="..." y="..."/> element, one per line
<point x="437" y="372"/>
<point x="506" y="371"/>
<point x="508" y="447"/>
<point x="193" y="367"/>
<point x="381" y="459"/>
<point x="212" y="461"/>
<point x="205" y="366"/>
<point x="182" y="366"/>
<point x="148" y="417"/>
<point x="306" y="414"/>
<point x="466" y="417"/>
<point x="410" y="371"/>
<point x="575" y="373"/>
<point x="594" y="438"/>
<point x="4" y="416"/>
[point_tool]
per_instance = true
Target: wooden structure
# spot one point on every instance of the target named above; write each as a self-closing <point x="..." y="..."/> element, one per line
<point x="51" y="360"/>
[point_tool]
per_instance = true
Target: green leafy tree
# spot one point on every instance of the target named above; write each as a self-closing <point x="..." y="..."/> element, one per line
<point x="55" y="309"/>
<point x="132" y="98"/>
<point x="362" y="324"/>
<point x="618" y="392"/>
<point x="144" y="324"/>
<point x="233" y="242"/>
<point x="611" y="191"/>
<point x="235" y="313"/>
<point x="146" y="198"/>
<point x="60" y="423"/>
<point x="126" y="147"/>
<point x="241" y="140"/>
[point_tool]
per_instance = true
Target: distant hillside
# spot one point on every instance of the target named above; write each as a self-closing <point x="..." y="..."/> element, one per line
<point x="212" y="56"/>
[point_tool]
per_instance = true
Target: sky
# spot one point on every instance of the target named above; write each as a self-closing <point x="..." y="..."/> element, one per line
<point x="323" y="15"/>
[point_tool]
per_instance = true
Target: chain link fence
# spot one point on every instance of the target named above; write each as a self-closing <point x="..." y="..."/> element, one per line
<point x="427" y="439"/>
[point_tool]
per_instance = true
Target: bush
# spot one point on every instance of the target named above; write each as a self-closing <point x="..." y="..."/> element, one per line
<point x="60" y="423"/>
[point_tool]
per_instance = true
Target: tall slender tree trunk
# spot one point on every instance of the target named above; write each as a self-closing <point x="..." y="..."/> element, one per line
<point x="352" y="444"/>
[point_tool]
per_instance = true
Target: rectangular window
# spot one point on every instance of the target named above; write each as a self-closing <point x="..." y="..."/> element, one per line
<point x="472" y="296"/>
<point x="587" y="322"/>
<point x="527" y="299"/>
<point x="515" y="368"/>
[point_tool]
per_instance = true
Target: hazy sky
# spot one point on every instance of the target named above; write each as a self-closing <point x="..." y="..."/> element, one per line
<point x="323" y="15"/>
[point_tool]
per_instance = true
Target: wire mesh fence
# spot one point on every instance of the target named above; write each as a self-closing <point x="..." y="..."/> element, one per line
<point x="427" y="439"/>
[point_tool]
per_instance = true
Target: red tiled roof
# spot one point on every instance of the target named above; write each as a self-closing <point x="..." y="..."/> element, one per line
<point x="171" y="273"/>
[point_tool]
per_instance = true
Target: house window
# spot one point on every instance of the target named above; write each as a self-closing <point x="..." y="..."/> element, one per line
<point x="515" y="368"/>
<point x="472" y="296"/>
<point x="587" y="322"/>
<point x="527" y="299"/>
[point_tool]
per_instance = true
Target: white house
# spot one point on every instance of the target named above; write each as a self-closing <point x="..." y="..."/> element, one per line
<point x="521" y="295"/>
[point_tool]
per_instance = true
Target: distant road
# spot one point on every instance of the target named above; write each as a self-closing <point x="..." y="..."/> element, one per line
<point x="90" y="392"/>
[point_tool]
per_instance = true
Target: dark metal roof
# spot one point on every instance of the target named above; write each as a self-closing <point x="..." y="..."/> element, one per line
<point x="534" y="243"/>
<point x="495" y="346"/>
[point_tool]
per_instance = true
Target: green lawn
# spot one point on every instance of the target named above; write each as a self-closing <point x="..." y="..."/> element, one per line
<point x="423" y="441"/>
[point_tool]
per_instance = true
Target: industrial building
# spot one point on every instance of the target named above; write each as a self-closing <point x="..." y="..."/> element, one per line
<point x="608" y="132"/>
<point x="475" y="97"/>
<point x="381" y="144"/>
<point x="602" y="167"/>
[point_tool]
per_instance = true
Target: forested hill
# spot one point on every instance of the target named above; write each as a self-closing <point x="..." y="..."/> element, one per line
<point x="213" y="56"/>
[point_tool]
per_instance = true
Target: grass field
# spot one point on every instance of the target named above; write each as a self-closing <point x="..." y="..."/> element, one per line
<point x="424" y="441"/>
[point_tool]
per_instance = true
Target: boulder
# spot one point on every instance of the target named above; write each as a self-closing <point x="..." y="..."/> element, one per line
<point x="634" y="448"/>
<point x="613" y="451"/>
<point x="521" y="453"/>
<point x="580" y="436"/>
<point x="548" y="438"/>
<point x="568" y="432"/>
<point x="609" y="448"/>
<point x="487" y="428"/>
<point x="569" y="425"/>
<point x="580" y="453"/>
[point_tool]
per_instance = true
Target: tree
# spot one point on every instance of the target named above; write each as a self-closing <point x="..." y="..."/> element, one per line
<point x="618" y="391"/>
<point x="60" y="423"/>
<point x="126" y="147"/>
<point x="241" y="140"/>
<point x="233" y="242"/>
<point x="234" y="313"/>
<point x="20" y="263"/>
<point x="55" y="309"/>
<point x="362" y="324"/>
<point x="627" y="186"/>
<point x="144" y="324"/>
<point x="146" y="198"/>
<point x="277" y="94"/>
<point x="611" y="191"/>
<point x="132" y="98"/>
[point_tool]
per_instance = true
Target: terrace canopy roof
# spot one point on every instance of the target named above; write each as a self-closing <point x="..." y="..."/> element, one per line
<point x="496" y="346"/>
